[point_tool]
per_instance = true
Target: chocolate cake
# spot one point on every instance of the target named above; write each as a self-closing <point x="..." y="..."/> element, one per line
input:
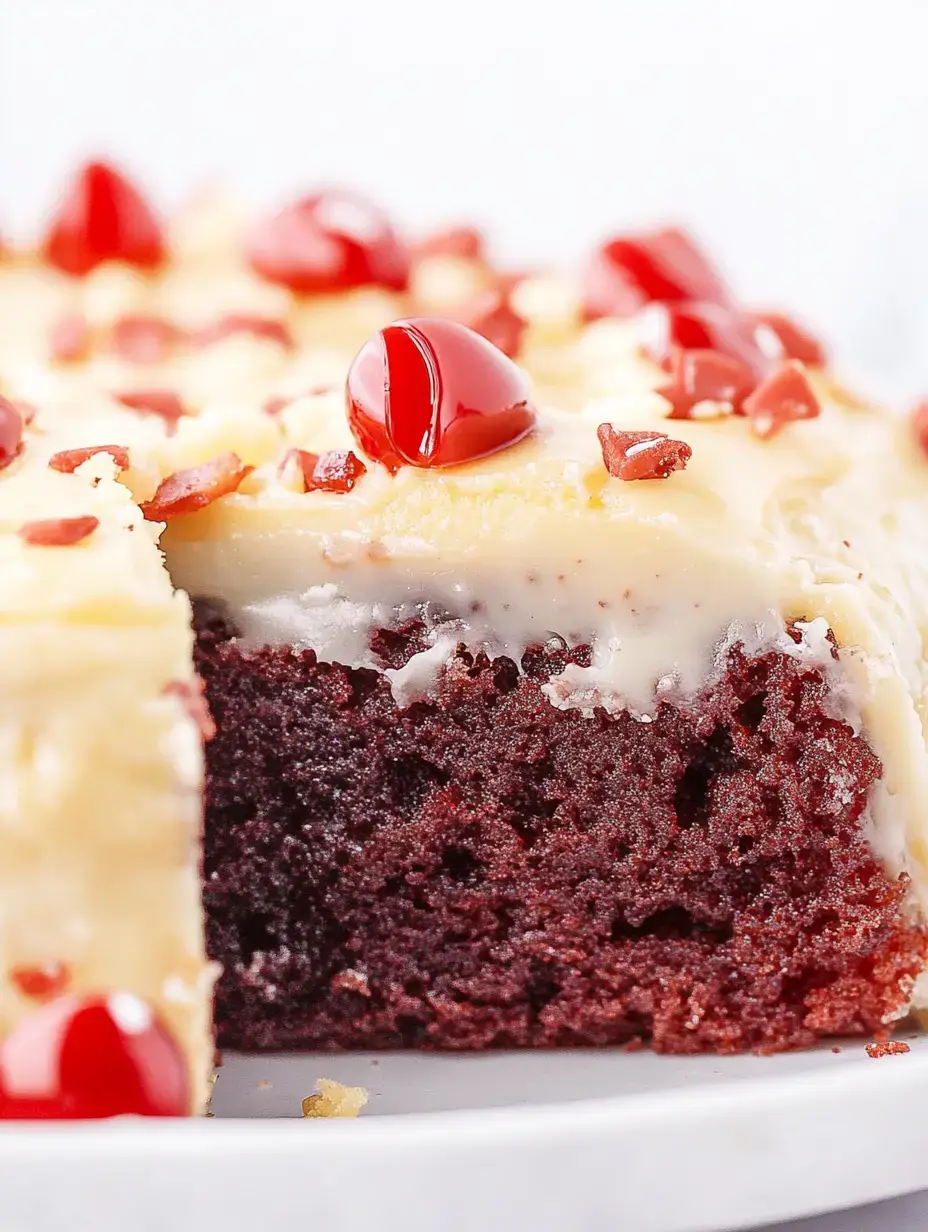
<point x="529" y="660"/>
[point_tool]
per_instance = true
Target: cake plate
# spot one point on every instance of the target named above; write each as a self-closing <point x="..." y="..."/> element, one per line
<point x="566" y="1142"/>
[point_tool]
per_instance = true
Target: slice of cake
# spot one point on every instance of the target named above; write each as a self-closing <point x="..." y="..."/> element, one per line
<point x="562" y="644"/>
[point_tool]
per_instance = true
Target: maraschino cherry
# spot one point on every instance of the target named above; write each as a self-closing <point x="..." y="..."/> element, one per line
<point x="102" y="217"/>
<point x="430" y="392"/>
<point x="92" y="1056"/>
<point x="664" y="266"/>
<point x="669" y="327"/>
<point x="331" y="241"/>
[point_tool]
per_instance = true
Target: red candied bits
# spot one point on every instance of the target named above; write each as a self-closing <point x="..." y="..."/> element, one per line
<point x="783" y="398"/>
<point x="704" y="383"/>
<point x="493" y="317"/>
<point x="243" y="323"/>
<point x="702" y="327"/>
<point x="641" y="455"/>
<point x="58" y="532"/>
<point x="142" y="339"/>
<point x="102" y="217"/>
<point x="468" y="243"/>
<point x="336" y="470"/>
<point x="68" y="460"/>
<point x="665" y="266"/>
<point x="69" y="339"/>
<point x="82" y="1057"/>
<point x="920" y="423"/>
<point x="887" y="1048"/>
<point x="193" y="695"/>
<point x="11" y="432"/>
<point x="331" y="241"/>
<point x="190" y="490"/>
<point x="41" y="982"/>
<point x="781" y="337"/>
<point x="429" y="392"/>
<point x="161" y="402"/>
<point x="275" y="404"/>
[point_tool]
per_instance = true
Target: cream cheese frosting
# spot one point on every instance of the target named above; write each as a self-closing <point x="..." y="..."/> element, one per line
<point x="825" y="525"/>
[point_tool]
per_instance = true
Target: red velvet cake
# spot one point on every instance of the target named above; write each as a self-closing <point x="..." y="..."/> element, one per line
<point x="541" y="656"/>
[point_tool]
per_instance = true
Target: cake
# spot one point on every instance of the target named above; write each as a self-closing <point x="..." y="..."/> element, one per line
<point x="402" y="652"/>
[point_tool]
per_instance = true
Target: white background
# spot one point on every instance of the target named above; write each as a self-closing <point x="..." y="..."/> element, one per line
<point x="791" y="135"/>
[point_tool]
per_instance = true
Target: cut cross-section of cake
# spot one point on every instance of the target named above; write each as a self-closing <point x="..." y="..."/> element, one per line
<point x="569" y="693"/>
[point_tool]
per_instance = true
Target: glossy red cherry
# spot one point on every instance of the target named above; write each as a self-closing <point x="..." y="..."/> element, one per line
<point x="92" y="1056"/>
<point x="665" y="266"/>
<point x="430" y="392"/>
<point x="102" y="217"/>
<point x="702" y="327"/>
<point x="332" y="241"/>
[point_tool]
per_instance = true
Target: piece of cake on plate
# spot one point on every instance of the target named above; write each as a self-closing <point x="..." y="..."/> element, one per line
<point x="562" y="642"/>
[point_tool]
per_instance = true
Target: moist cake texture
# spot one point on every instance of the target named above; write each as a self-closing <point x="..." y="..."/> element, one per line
<point x="561" y="639"/>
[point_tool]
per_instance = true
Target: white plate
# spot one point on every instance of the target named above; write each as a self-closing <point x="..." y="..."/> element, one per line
<point x="567" y="1142"/>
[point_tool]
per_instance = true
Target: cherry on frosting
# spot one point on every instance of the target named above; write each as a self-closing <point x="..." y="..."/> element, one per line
<point x="92" y="1056"/>
<point x="11" y="432"/>
<point x="331" y="241"/>
<point x="703" y="327"/>
<point x="429" y="392"/>
<point x="664" y="266"/>
<point x="493" y="317"/>
<point x="103" y="217"/>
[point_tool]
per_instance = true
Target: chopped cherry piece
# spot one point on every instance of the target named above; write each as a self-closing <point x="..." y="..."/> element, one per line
<point x="26" y="409"/>
<point x="275" y="404"/>
<point x="493" y="318"/>
<point x="430" y="392"/>
<point x="243" y="323"/>
<point x="69" y="339"/>
<point x="920" y="423"/>
<point x="11" y="432"/>
<point x="468" y="243"/>
<point x="68" y="460"/>
<point x="781" y="337"/>
<point x="781" y="399"/>
<point x="40" y="983"/>
<point x="331" y="241"/>
<point x="92" y="1056"/>
<point x="144" y="339"/>
<point x="161" y="402"/>
<point x="58" y="532"/>
<point x="103" y="217"/>
<point x="196" y="487"/>
<point x="641" y="455"/>
<point x="702" y="327"/>
<point x="336" y="470"/>
<point x="701" y="377"/>
<point x="665" y="266"/>
<point x="193" y="695"/>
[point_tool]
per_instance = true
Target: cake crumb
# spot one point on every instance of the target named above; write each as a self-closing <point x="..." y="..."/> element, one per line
<point x="263" y="1085"/>
<point x="334" y="1099"/>
<point x="887" y="1048"/>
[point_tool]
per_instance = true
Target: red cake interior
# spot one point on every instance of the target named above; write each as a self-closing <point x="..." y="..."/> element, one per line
<point x="485" y="870"/>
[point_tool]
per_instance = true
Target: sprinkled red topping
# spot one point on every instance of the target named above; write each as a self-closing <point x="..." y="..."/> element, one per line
<point x="887" y="1048"/>
<point x="243" y="323"/>
<point x="275" y="404"/>
<point x="630" y="271"/>
<point x="192" y="694"/>
<point x="103" y="217"/>
<point x="161" y="402"/>
<point x="641" y="455"/>
<point x="11" y="432"/>
<point x="430" y="392"/>
<point x="493" y="317"/>
<point x="69" y="339"/>
<point x="58" y="532"/>
<point x="920" y="423"/>
<point x="336" y="470"/>
<point x="68" y="460"/>
<point x="26" y="409"/>
<point x="783" y="338"/>
<point x="465" y="242"/>
<point x="196" y="487"/>
<point x="702" y="327"/>
<point x="330" y="242"/>
<point x="40" y="983"/>
<point x="783" y="398"/>
<point x="144" y="339"/>
<point x="699" y="377"/>
<point x="90" y="1057"/>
